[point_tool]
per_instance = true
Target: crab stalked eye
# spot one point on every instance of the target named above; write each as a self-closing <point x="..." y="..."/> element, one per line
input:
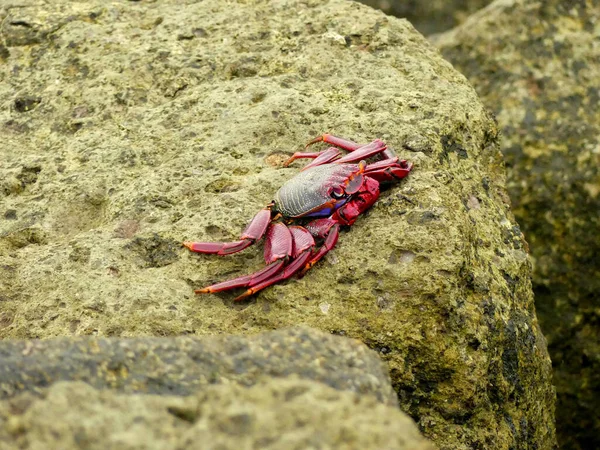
<point x="337" y="193"/>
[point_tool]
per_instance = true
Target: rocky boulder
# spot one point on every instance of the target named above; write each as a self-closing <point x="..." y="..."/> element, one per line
<point x="141" y="125"/>
<point x="537" y="66"/>
<point x="274" y="414"/>
<point x="292" y="388"/>
<point x="184" y="365"/>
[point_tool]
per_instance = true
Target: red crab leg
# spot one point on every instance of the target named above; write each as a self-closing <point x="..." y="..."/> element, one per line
<point x="347" y="144"/>
<point x="323" y="157"/>
<point x="326" y="157"/>
<point x="303" y="240"/>
<point x="364" y="152"/>
<point x="278" y="247"/>
<point x="337" y="141"/>
<point x="278" y="243"/>
<point x="382" y="164"/>
<point x="290" y="270"/>
<point x="303" y="243"/>
<point x="332" y="154"/>
<point x="245" y="280"/>
<point x="388" y="170"/>
<point x="254" y="231"/>
<point x="329" y="243"/>
<point x="320" y="227"/>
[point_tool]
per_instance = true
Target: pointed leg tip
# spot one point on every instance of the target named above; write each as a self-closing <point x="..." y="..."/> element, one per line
<point x="188" y="245"/>
<point x="306" y="268"/>
<point x="202" y="291"/>
<point x="241" y="297"/>
<point x="321" y="138"/>
<point x="404" y="164"/>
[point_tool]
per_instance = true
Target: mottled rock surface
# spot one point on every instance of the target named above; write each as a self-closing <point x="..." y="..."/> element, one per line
<point x="274" y="414"/>
<point x="139" y="125"/>
<point x="183" y="365"/>
<point x="432" y="16"/>
<point x="537" y="66"/>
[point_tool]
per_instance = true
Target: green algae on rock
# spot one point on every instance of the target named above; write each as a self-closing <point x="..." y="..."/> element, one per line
<point x="537" y="66"/>
<point x="273" y="414"/>
<point x="170" y="117"/>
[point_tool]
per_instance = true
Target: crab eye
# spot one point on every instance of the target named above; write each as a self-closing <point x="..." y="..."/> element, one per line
<point x="337" y="193"/>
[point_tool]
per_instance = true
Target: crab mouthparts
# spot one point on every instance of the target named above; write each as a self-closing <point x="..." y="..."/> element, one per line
<point x="354" y="183"/>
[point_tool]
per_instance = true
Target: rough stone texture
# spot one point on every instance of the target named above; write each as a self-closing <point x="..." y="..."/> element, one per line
<point x="182" y="365"/>
<point x="139" y="125"/>
<point x="432" y="16"/>
<point x="275" y="414"/>
<point x="537" y="66"/>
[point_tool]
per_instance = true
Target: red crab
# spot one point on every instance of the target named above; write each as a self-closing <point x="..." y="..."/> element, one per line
<point x="330" y="191"/>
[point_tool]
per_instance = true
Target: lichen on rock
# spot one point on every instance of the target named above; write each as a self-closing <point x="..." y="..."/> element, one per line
<point x="536" y="65"/>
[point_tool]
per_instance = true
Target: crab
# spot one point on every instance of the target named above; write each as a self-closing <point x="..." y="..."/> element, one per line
<point x="331" y="191"/>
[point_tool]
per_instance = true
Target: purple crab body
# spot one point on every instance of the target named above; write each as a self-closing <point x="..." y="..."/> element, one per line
<point x="311" y="193"/>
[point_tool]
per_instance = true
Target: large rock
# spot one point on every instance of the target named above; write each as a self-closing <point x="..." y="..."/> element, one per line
<point x="140" y="125"/>
<point x="274" y="414"/>
<point x="537" y="66"/>
<point x="184" y="365"/>
<point x="292" y="402"/>
<point x="433" y="16"/>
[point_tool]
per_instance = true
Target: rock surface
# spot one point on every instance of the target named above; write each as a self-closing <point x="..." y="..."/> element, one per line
<point x="183" y="365"/>
<point x="432" y="16"/>
<point x="537" y="66"/>
<point x="274" y="414"/>
<point x="140" y="125"/>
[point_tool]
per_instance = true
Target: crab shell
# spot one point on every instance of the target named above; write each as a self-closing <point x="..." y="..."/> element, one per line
<point x="319" y="191"/>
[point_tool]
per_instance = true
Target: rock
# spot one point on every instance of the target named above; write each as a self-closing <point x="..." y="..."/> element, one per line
<point x="537" y="66"/>
<point x="431" y="16"/>
<point x="274" y="414"/>
<point x="175" y="116"/>
<point x="183" y="365"/>
<point x="31" y="23"/>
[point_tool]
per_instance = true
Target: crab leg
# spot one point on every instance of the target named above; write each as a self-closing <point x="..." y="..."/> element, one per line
<point x="349" y="146"/>
<point x="364" y="152"/>
<point x="253" y="232"/>
<point x="324" y="157"/>
<point x="289" y="271"/>
<point x="332" y="154"/>
<point x="278" y="243"/>
<point x="303" y="243"/>
<point x="358" y="152"/>
<point x="303" y="240"/>
<point x="337" y="141"/>
<point x="330" y="241"/>
<point x="245" y="280"/>
<point x="320" y="227"/>
<point x="278" y="247"/>
<point x="388" y="170"/>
